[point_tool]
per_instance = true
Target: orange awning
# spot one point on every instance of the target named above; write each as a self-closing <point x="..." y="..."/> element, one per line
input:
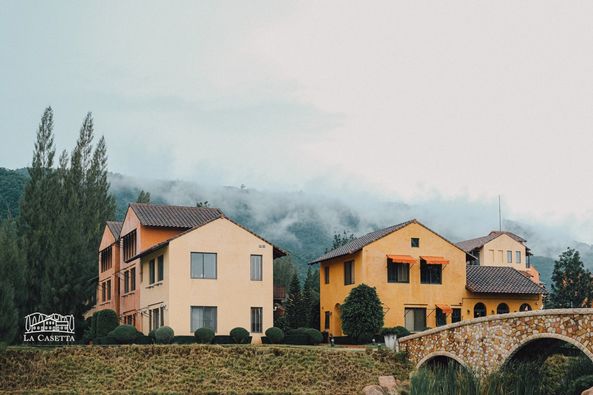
<point x="445" y="308"/>
<point x="402" y="259"/>
<point x="435" y="260"/>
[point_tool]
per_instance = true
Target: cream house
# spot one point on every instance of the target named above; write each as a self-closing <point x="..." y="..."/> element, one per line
<point x="500" y="248"/>
<point x="217" y="274"/>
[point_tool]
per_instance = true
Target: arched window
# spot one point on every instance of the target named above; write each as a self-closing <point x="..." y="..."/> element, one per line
<point x="502" y="308"/>
<point x="479" y="310"/>
<point x="525" y="307"/>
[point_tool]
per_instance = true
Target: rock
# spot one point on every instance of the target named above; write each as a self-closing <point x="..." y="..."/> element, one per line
<point x="387" y="382"/>
<point x="588" y="392"/>
<point x="373" y="390"/>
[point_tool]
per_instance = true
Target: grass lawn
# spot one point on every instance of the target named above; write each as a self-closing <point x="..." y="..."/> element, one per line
<point x="195" y="368"/>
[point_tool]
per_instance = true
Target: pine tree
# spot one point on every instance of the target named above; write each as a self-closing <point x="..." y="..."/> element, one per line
<point x="295" y="315"/>
<point x="8" y="312"/>
<point x="572" y="284"/>
<point x="143" y="197"/>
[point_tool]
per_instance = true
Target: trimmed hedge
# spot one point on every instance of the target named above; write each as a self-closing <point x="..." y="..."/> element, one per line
<point x="141" y="339"/>
<point x="184" y="340"/>
<point x="315" y="337"/>
<point x="300" y="339"/>
<point x="274" y="335"/>
<point x="399" y="331"/>
<point x="204" y="335"/>
<point x="124" y="334"/>
<point x="164" y="335"/>
<point x="365" y="338"/>
<point x="240" y="335"/>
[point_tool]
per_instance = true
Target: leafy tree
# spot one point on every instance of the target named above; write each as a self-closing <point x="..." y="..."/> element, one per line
<point x="295" y="314"/>
<point x="143" y="197"/>
<point x="362" y="312"/>
<point x="572" y="284"/>
<point x="341" y="239"/>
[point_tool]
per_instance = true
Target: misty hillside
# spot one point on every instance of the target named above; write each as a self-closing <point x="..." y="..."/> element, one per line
<point x="304" y="223"/>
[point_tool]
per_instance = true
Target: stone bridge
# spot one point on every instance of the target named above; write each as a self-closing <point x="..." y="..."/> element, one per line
<point x="487" y="343"/>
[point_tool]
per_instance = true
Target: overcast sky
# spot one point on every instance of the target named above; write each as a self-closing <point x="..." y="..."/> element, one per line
<point x="405" y="100"/>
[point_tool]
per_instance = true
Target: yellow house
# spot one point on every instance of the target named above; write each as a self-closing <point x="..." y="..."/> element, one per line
<point x="419" y="275"/>
<point x="217" y="274"/>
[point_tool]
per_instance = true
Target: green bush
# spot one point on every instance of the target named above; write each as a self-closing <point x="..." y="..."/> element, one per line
<point x="275" y="335"/>
<point x="297" y="338"/>
<point x="315" y="337"/>
<point x="164" y="335"/>
<point x="204" y="335"/>
<point x="104" y="322"/>
<point x="362" y="312"/>
<point x="581" y="384"/>
<point x="399" y="331"/>
<point x="239" y="335"/>
<point x="3" y="347"/>
<point x="365" y="338"/>
<point x="141" y="339"/>
<point x="152" y="334"/>
<point x="124" y="334"/>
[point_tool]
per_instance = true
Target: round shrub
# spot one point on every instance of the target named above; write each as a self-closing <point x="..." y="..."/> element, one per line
<point x="276" y="335"/>
<point x="239" y="335"/>
<point x="124" y="334"/>
<point x="204" y="335"/>
<point x="152" y="334"/>
<point x="399" y="331"/>
<point x="164" y="335"/>
<point x="105" y="321"/>
<point x="315" y="337"/>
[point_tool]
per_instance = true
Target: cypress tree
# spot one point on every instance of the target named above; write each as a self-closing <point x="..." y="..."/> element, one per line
<point x="295" y="316"/>
<point x="38" y="209"/>
<point x="572" y="284"/>
<point x="8" y="312"/>
<point x="308" y="298"/>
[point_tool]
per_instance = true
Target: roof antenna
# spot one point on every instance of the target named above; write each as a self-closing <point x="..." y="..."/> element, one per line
<point x="499" y="215"/>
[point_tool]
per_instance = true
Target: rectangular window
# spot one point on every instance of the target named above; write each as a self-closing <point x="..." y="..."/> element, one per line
<point x="130" y="245"/>
<point x="327" y="319"/>
<point x="430" y="274"/>
<point x="203" y="265"/>
<point x="415" y="242"/>
<point x="133" y="279"/>
<point x="151" y="274"/>
<point x="398" y="272"/>
<point x="348" y="272"/>
<point x="518" y="256"/>
<point x="256" y="319"/>
<point x="256" y="268"/>
<point x="126" y="281"/>
<point x="415" y="319"/>
<point x="441" y="317"/>
<point x="106" y="259"/>
<point x="203" y="317"/>
<point x="326" y="274"/>
<point x="509" y="256"/>
<point x="456" y="315"/>
<point x="155" y="318"/>
<point x="103" y="293"/>
<point x="161" y="268"/>
<point x="108" y="283"/>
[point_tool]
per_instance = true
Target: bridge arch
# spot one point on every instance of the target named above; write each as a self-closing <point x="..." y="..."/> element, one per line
<point x="544" y="336"/>
<point x="440" y="354"/>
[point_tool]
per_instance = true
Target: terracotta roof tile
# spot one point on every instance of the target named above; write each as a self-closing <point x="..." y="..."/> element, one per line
<point x="115" y="228"/>
<point x="472" y="244"/>
<point x="174" y="216"/>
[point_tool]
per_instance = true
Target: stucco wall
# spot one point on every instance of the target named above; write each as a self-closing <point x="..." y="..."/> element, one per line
<point x="232" y="292"/>
<point x="502" y="243"/>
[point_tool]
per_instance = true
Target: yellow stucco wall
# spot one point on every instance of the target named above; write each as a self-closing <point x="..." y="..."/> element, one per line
<point x="371" y="269"/>
<point x="232" y="292"/>
<point x="494" y="253"/>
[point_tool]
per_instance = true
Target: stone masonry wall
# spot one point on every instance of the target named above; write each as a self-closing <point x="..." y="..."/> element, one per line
<point x="485" y="343"/>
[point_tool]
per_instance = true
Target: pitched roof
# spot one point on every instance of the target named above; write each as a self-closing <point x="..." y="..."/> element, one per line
<point x="472" y="244"/>
<point x="500" y="280"/>
<point x="174" y="216"/>
<point x="277" y="252"/>
<point x="357" y="244"/>
<point x="115" y="228"/>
